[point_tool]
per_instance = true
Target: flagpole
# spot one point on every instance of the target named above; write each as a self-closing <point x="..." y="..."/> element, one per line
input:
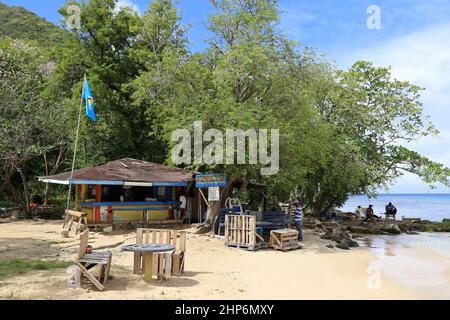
<point x="74" y="153"/>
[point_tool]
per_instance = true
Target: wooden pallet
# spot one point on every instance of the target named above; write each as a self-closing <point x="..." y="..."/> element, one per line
<point x="284" y="239"/>
<point x="240" y="232"/>
<point x="162" y="261"/>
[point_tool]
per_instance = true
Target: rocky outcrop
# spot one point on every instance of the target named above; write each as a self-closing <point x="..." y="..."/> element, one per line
<point x="341" y="237"/>
<point x="392" y="228"/>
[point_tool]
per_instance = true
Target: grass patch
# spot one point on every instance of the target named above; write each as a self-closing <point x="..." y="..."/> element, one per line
<point x="10" y="268"/>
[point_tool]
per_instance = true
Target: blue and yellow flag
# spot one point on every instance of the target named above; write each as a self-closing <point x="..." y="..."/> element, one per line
<point x="87" y="96"/>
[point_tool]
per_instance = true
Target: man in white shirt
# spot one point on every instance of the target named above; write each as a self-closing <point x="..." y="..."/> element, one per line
<point x="360" y="212"/>
<point x="182" y="206"/>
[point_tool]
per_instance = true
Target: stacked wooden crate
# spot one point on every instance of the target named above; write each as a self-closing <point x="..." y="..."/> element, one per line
<point x="284" y="239"/>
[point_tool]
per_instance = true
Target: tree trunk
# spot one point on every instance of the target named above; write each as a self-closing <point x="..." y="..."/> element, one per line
<point x="211" y="213"/>
<point x="213" y="209"/>
<point x="57" y="163"/>
<point x="26" y="194"/>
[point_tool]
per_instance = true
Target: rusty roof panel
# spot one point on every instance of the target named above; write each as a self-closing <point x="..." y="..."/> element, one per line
<point x="129" y="170"/>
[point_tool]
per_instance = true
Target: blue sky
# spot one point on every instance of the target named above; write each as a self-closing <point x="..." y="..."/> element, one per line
<point x="414" y="39"/>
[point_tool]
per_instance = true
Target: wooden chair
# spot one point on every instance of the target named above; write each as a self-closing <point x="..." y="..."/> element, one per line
<point x="165" y="264"/>
<point x="86" y="261"/>
<point x="389" y="216"/>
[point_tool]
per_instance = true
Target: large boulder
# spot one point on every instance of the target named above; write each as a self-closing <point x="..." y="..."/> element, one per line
<point x="392" y="228"/>
<point x="341" y="237"/>
<point x="346" y="244"/>
<point x="343" y="245"/>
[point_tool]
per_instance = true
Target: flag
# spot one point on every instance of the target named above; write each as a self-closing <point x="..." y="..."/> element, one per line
<point x="87" y="96"/>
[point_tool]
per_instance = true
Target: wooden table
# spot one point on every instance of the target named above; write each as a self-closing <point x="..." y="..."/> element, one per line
<point x="147" y="250"/>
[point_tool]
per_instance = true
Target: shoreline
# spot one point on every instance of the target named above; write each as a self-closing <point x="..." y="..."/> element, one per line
<point x="412" y="263"/>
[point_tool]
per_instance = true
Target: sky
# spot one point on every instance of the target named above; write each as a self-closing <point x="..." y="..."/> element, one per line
<point x="413" y="37"/>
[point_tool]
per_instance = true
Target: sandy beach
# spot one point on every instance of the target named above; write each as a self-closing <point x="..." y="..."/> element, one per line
<point x="213" y="271"/>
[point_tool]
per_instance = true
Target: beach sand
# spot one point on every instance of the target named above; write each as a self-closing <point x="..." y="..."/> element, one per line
<point x="212" y="271"/>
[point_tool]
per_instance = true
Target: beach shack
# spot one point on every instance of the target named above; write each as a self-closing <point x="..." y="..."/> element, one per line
<point x="128" y="190"/>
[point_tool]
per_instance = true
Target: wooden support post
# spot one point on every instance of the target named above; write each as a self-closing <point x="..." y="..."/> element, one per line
<point x="148" y="273"/>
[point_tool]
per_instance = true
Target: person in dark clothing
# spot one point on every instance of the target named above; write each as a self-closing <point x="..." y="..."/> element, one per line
<point x="391" y="209"/>
<point x="370" y="214"/>
<point x="36" y="199"/>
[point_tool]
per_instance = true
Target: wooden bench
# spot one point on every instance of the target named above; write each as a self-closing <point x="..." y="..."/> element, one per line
<point x="165" y="264"/>
<point x="86" y="261"/>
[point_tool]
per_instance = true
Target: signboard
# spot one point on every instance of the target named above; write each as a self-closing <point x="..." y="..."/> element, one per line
<point x="209" y="180"/>
<point x="213" y="194"/>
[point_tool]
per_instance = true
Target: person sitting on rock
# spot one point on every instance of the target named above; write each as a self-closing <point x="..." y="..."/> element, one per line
<point x="391" y="209"/>
<point x="360" y="212"/>
<point x="370" y="215"/>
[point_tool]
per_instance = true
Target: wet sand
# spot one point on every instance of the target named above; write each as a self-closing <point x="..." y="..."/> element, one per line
<point x="419" y="262"/>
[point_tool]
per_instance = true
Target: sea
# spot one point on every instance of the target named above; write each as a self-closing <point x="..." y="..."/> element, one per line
<point x="433" y="207"/>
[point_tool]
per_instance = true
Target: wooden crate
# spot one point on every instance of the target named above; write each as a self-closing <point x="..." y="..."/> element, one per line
<point x="240" y="232"/>
<point x="284" y="239"/>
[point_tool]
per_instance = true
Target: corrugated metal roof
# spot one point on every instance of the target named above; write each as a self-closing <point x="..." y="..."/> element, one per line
<point x="127" y="170"/>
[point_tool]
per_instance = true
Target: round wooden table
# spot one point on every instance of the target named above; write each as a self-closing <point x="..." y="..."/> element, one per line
<point x="147" y="250"/>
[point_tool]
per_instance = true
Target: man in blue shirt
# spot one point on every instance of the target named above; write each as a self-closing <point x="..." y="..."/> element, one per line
<point x="298" y="218"/>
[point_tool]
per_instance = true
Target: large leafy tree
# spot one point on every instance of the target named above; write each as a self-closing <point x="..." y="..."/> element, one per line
<point x="28" y="122"/>
<point x="372" y="116"/>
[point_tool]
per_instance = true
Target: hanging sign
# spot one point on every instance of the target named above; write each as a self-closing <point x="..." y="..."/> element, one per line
<point x="213" y="194"/>
<point x="209" y="180"/>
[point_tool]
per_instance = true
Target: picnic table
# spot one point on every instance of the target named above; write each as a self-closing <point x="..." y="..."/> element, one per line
<point x="147" y="250"/>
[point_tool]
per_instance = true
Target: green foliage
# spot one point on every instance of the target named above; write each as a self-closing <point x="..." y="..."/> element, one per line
<point x="19" y="23"/>
<point x="11" y="268"/>
<point x="342" y="132"/>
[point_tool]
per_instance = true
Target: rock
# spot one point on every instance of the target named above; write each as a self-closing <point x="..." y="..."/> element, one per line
<point x="336" y="235"/>
<point x="349" y="243"/>
<point x="392" y="228"/>
<point x="411" y="232"/>
<point x="327" y="235"/>
<point x="364" y="230"/>
<point x="343" y="245"/>
<point x="404" y="227"/>
<point x="330" y="246"/>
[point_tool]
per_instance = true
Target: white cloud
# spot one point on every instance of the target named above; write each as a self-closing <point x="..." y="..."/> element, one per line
<point x="422" y="58"/>
<point x="126" y="3"/>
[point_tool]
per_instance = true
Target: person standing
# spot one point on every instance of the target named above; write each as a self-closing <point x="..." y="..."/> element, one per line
<point x="298" y="218"/>
<point x="182" y="206"/>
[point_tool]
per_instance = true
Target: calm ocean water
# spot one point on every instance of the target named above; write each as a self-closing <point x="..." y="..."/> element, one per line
<point x="433" y="207"/>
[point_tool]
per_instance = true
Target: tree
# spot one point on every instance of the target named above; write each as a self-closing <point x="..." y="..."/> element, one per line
<point x="27" y="121"/>
<point x="373" y="116"/>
